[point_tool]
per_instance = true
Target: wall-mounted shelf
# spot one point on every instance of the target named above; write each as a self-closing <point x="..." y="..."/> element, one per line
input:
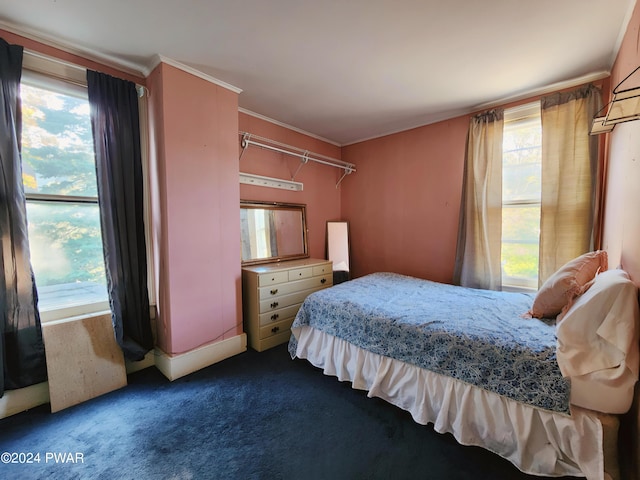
<point x="260" y="181"/>
<point x="305" y="156"/>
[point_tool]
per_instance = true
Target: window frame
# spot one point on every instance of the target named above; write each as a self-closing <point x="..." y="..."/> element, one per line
<point x="72" y="88"/>
<point x="53" y="74"/>
<point x="513" y="116"/>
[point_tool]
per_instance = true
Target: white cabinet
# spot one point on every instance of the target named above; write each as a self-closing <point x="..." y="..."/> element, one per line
<point x="272" y="294"/>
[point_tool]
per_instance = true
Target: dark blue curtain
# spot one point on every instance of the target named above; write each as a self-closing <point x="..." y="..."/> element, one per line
<point x="116" y="138"/>
<point x="21" y="346"/>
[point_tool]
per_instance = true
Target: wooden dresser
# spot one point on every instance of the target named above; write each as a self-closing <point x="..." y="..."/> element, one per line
<point x="272" y="294"/>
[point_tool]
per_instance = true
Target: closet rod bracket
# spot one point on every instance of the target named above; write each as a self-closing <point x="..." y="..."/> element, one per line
<point x="303" y="161"/>
<point x="244" y="143"/>
<point x="347" y="171"/>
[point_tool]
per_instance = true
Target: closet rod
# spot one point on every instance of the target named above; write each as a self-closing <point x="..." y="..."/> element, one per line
<point x="304" y="155"/>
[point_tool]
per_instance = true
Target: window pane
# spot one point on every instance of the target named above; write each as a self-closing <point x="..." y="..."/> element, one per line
<point x="520" y="238"/>
<point x="520" y="265"/>
<point x="522" y="168"/>
<point x="66" y="253"/>
<point x="58" y="159"/>
<point x="57" y="145"/>
<point x="522" y="182"/>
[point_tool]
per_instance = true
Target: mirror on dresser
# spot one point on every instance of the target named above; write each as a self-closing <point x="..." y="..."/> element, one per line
<point x="272" y="231"/>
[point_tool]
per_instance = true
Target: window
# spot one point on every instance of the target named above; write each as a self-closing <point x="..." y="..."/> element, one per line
<point x="59" y="178"/>
<point x="521" y="196"/>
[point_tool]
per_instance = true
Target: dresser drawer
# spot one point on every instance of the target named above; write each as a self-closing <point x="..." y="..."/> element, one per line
<point x="284" y="301"/>
<point x="276" y="328"/>
<point x="322" y="269"/>
<point x="278" y="315"/>
<point x="273" y="291"/>
<point x="300" y="273"/>
<point x="272" y="278"/>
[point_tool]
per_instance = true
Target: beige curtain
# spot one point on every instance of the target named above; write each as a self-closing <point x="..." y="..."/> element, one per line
<point x="480" y="230"/>
<point x="569" y="163"/>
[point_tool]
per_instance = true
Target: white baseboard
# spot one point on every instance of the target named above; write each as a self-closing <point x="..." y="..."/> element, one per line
<point x="172" y="367"/>
<point x="16" y="401"/>
<point x="176" y="366"/>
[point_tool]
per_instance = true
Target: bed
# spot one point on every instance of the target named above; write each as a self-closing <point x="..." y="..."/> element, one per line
<point x="544" y="393"/>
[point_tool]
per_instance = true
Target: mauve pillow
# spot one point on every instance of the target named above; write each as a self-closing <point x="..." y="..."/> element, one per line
<point x="569" y="282"/>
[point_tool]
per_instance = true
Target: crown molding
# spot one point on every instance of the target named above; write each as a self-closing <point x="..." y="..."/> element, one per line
<point x="289" y="127"/>
<point x="591" y="77"/>
<point x="74" y="49"/>
<point x="435" y="118"/>
<point x="554" y="87"/>
<point x="108" y="60"/>
<point x="158" y="59"/>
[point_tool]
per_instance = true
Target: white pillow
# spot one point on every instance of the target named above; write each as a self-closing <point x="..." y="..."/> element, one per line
<point x="600" y="330"/>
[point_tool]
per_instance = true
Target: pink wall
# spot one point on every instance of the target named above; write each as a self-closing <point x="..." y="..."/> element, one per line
<point x="403" y="202"/>
<point x="622" y="222"/>
<point x="319" y="194"/>
<point x="195" y="124"/>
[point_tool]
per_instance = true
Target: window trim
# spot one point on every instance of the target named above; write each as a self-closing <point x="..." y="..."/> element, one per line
<point x="71" y="312"/>
<point x="522" y="112"/>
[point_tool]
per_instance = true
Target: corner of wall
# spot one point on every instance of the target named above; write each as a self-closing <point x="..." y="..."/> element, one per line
<point x="176" y="366"/>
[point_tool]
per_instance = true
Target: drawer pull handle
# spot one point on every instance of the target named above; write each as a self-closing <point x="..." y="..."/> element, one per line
<point x="323" y="281"/>
<point x="274" y="291"/>
<point x="275" y="329"/>
<point x="274" y="304"/>
<point x="275" y="316"/>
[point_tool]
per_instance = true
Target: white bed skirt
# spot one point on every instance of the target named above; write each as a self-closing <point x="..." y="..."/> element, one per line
<point x="538" y="442"/>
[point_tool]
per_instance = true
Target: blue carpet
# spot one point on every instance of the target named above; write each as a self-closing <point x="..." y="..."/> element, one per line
<point x="253" y="416"/>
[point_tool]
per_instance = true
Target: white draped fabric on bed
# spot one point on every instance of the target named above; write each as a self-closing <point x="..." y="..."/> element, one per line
<point x="537" y="441"/>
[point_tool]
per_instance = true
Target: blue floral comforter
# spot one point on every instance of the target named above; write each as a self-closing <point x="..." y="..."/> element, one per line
<point x="477" y="336"/>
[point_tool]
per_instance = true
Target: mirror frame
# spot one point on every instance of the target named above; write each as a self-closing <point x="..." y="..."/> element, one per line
<point x="278" y="206"/>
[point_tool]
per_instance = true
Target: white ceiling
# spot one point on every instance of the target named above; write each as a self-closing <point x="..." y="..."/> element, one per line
<point x="346" y="70"/>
